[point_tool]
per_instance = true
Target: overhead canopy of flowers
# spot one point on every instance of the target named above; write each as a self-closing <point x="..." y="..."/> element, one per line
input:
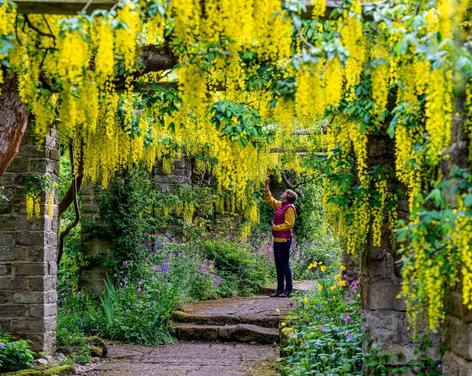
<point x="229" y="81"/>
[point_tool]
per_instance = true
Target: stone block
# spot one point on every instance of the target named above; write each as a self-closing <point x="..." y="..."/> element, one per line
<point x="30" y="238"/>
<point x="37" y="254"/>
<point x="31" y="269"/>
<point x="12" y="283"/>
<point x="456" y="366"/>
<point x="382" y="295"/>
<point x="458" y="337"/>
<point x="13" y="253"/>
<point x="52" y="268"/>
<point x="19" y="165"/>
<point x="13" y="224"/>
<point x="50" y="297"/>
<point x="28" y="297"/>
<point x="12" y="311"/>
<point x="5" y="269"/>
<point x="5" y="297"/>
<point x="6" y="239"/>
<point x="42" y="311"/>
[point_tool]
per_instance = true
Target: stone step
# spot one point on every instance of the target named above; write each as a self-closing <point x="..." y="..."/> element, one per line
<point x="227" y="319"/>
<point x="258" y="310"/>
<point x="247" y="333"/>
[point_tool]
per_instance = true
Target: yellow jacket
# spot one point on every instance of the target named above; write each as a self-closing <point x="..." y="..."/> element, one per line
<point x="289" y="215"/>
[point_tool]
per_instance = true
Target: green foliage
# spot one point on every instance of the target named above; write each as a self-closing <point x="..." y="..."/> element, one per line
<point x="139" y="312"/>
<point x="36" y="184"/>
<point x="242" y="271"/>
<point x="325" y="335"/>
<point x="14" y="354"/>
<point x="138" y="309"/>
<point x="127" y="207"/>
<point x="238" y="121"/>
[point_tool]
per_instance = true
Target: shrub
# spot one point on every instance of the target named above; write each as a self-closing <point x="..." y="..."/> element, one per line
<point x="14" y="354"/>
<point x="325" y="335"/>
<point x="139" y="312"/>
<point x="242" y="270"/>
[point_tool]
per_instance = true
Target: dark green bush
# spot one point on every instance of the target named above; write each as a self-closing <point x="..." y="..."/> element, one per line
<point x="14" y="354"/>
<point x="241" y="269"/>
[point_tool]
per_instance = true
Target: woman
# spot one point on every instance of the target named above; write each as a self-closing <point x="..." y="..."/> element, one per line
<point x="282" y="225"/>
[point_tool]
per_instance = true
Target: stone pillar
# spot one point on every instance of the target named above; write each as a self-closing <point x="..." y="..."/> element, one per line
<point x="181" y="174"/>
<point x="96" y="241"/>
<point x="458" y="320"/>
<point x="380" y="277"/>
<point x="458" y="336"/>
<point x="28" y="249"/>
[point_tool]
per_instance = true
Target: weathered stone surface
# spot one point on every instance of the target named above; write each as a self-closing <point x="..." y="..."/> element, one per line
<point x="260" y="310"/>
<point x="186" y="359"/>
<point x="27" y="249"/>
<point x="231" y="333"/>
<point x="252" y="320"/>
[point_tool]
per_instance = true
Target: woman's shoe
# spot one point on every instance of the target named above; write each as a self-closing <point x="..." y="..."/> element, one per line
<point x="285" y="295"/>
<point x="276" y="295"/>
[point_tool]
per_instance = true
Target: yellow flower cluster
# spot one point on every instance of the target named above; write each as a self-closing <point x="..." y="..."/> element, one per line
<point x="33" y="206"/>
<point x="352" y="36"/>
<point x="319" y="8"/>
<point x="125" y="39"/>
<point x="318" y="87"/>
<point x="439" y="112"/>
<point x="462" y="239"/>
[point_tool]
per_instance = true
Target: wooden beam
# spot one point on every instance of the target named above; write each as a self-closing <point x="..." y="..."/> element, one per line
<point x="61" y="6"/>
<point x="75" y="6"/>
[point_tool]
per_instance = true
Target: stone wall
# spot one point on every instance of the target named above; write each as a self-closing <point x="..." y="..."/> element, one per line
<point x="28" y="249"/>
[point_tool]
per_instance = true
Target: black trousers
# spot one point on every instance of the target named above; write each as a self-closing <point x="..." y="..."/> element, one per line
<point x="282" y="266"/>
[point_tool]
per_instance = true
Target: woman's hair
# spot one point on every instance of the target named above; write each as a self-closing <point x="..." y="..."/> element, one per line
<point x="291" y="196"/>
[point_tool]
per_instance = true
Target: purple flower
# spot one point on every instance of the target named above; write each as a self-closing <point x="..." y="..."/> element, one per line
<point x="347" y="319"/>
<point x="322" y="329"/>
<point x="217" y="280"/>
<point x="349" y="335"/>
<point x="354" y="286"/>
<point x="2" y="345"/>
<point x="164" y="267"/>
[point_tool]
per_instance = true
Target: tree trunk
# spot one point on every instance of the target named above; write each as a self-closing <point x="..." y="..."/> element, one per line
<point x="13" y="121"/>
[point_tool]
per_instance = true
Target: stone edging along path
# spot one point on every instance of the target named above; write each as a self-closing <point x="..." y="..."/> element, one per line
<point x="225" y="337"/>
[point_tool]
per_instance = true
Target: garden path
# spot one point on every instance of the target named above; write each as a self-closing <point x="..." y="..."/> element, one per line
<point x="226" y="337"/>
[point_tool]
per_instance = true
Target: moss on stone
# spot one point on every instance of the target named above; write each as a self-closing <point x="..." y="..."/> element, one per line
<point x="52" y="371"/>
